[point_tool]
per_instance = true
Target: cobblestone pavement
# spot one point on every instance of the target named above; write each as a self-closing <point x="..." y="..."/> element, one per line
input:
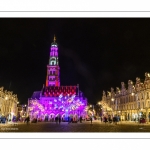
<point x="85" y="126"/>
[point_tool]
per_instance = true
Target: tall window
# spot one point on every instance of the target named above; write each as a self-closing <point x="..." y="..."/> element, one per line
<point x="147" y="95"/>
<point x="137" y="97"/>
<point x="138" y="104"/>
<point x="142" y="96"/>
<point x="134" y="98"/>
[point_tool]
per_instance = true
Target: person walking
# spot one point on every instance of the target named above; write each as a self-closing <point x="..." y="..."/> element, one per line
<point x="71" y="119"/>
<point x="80" y="119"/>
<point x="91" y="119"/>
<point x="56" y="119"/>
<point x="105" y="120"/>
<point x="27" y="120"/>
<point x="101" y="119"/>
<point x="68" y="119"/>
<point x="59" y="119"/>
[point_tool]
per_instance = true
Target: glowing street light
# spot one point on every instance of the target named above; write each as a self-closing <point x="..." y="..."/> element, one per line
<point x="112" y="99"/>
<point x="99" y="103"/>
<point x="132" y="94"/>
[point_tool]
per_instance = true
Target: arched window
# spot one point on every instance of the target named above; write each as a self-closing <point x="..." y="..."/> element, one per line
<point x="147" y="95"/>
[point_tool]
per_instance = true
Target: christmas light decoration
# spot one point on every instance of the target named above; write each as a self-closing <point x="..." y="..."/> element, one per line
<point x="54" y="99"/>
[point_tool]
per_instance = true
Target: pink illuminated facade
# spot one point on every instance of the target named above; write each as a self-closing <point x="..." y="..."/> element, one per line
<point x="55" y="100"/>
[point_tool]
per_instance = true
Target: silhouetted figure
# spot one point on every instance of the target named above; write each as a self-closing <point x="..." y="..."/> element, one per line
<point x="109" y="119"/>
<point x="80" y="119"/>
<point x="56" y="119"/>
<point x="91" y="119"/>
<point x="59" y="119"/>
<point x="105" y="120"/>
<point x="101" y="119"/>
<point x="115" y="120"/>
<point x="68" y="119"/>
<point x="72" y="119"/>
<point x="27" y="119"/>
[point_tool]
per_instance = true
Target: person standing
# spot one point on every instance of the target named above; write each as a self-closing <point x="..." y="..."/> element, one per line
<point x="68" y="119"/>
<point x="27" y="119"/>
<point x="91" y="119"/>
<point x="80" y="119"/>
<point x="71" y="119"/>
<point x="59" y="119"/>
<point x="56" y="119"/>
<point x="105" y="120"/>
<point x="101" y="119"/>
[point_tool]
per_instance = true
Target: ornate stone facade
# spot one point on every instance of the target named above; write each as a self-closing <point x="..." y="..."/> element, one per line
<point x="55" y="100"/>
<point x="130" y="102"/>
<point x="8" y="103"/>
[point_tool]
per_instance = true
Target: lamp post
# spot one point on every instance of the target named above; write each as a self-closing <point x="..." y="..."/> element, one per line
<point x="112" y="99"/>
<point x="147" y="115"/>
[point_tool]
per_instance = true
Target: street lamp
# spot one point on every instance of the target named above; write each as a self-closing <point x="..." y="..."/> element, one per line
<point x="132" y="94"/>
<point x="112" y="99"/>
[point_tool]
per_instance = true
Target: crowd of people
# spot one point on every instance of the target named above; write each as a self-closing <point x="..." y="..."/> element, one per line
<point x="110" y="119"/>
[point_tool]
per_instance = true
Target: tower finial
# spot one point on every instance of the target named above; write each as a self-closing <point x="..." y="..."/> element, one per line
<point x="54" y="38"/>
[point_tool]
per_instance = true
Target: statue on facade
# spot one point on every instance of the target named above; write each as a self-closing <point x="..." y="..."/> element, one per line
<point x="139" y="84"/>
<point x="122" y="85"/>
<point x="104" y="94"/>
<point x="112" y="90"/>
<point x="147" y="76"/>
<point x="131" y="87"/>
<point x="138" y="80"/>
<point x="117" y="90"/>
<point x="130" y="83"/>
<point x="108" y="93"/>
<point x="1" y="89"/>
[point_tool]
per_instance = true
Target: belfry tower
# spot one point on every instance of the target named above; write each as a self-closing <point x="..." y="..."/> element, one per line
<point x="52" y="78"/>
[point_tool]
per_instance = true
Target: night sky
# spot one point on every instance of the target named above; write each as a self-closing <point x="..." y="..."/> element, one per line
<point x="96" y="53"/>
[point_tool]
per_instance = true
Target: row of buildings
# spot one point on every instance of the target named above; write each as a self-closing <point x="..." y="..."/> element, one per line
<point x="8" y="104"/>
<point x="130" y="102"/>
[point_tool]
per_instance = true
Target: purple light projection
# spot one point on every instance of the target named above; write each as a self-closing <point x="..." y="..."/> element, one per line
<point x="73" y="106"/>
<point x="53" y="99"/>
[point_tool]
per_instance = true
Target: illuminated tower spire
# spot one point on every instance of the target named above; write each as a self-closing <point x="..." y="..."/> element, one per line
<point x="52" y="78"/>
<point x="54" y="38"/>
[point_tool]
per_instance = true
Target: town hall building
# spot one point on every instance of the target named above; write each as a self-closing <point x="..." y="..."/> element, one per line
<point x="54" y="99"/>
